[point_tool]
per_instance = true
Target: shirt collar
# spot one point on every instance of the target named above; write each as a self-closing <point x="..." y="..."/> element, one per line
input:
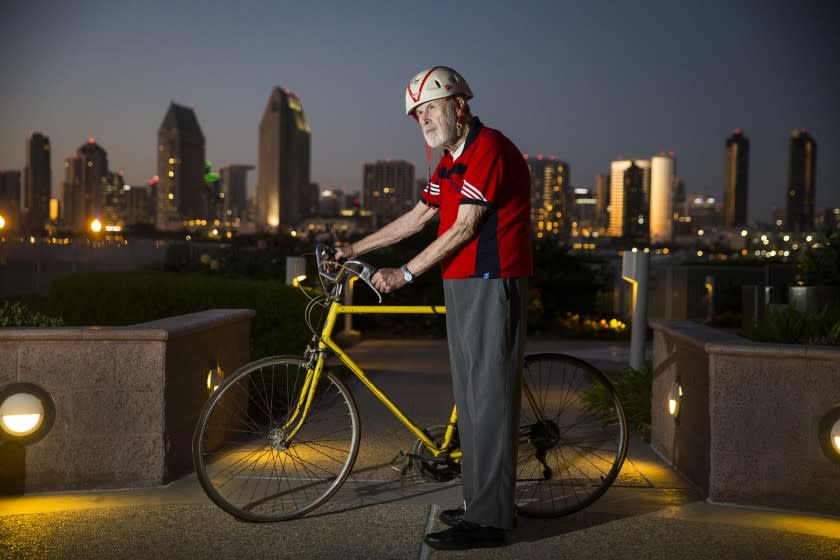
<point x="471" y="135"/>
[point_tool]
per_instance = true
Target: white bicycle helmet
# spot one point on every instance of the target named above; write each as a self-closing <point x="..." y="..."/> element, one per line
<point x="434" y="83"/>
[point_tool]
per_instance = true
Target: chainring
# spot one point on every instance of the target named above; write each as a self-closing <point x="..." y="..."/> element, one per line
<point x="435" y="469"/>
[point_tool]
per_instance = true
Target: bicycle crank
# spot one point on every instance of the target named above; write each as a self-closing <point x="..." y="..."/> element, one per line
<point x="440" y="468"/>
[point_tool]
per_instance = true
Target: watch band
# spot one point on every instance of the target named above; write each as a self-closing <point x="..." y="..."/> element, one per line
<point x="407" y="275"/>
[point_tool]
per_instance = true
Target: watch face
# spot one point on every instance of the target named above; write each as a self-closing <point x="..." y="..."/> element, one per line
<point x="407" y="276"/>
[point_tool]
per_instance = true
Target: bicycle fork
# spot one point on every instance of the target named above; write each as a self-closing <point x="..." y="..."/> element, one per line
<point x="281" y="436"/>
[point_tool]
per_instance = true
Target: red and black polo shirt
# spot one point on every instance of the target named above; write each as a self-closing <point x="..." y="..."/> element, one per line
<point x="490" y="171"/>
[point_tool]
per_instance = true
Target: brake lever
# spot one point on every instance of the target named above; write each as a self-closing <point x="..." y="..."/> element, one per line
<point x="366" y="273"/>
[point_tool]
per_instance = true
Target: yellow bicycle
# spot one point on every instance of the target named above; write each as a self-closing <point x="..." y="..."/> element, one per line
<point x="280" y="435"/>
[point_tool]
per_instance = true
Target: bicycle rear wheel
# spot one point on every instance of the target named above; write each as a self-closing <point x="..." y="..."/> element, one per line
<point x="241" y="455"/>
<point x="568" y="455"/>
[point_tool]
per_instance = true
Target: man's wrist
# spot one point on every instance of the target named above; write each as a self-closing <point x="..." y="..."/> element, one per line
<point x="406" y="273"/>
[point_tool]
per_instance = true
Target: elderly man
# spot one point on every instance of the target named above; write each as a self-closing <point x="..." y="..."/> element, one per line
<point x="481" y="187"/>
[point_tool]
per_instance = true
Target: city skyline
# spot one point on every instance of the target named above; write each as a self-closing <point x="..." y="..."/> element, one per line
<point x="599" y="84"/>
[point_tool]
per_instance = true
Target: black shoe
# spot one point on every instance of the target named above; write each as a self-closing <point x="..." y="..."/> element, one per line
<point x="466" y="535"/>
<point x="452" y="517"/>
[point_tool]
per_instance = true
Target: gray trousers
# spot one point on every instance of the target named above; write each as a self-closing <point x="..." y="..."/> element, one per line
<point x="485" y="325"/>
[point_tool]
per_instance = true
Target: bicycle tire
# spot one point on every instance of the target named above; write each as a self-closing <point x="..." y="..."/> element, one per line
<point x="238" y="450"/>
<point x="582" y="451"/>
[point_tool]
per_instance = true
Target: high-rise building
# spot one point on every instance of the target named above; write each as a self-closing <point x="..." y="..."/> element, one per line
<point x="602" y="201"/>
<point x="140" y="203"/>
<point x="801" y="181"/>
<point x="388" y="189"/>
<point x="113" y="208"/>
<point x="629" y="206"/>
<point x="37" y="182"/>
<point x="661" y="199"/>
<point x="736" y="179"/>
<point x="234" y="187"/>
<point x="283" y="185"/>
<point x="181" y="192"/>
<point x="551" y="196"/>
<point x="703" y="211"/>
<point x="9" y="200"/>
<point x="84" y="193"/>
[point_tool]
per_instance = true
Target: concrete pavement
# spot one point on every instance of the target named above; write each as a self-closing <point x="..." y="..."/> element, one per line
<point x="651" y="512"/>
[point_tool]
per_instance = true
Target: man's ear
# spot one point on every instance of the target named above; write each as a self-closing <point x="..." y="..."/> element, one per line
<point x="459" y="109"/>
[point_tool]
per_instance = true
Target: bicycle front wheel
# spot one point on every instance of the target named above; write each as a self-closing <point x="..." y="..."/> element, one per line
<point x="243" y="456"/>
<point x="569" y="452"/>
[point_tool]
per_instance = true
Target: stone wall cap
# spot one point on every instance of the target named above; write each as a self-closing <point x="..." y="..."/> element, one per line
<point x="161" y="329"/>
<point x="696" y="334"/>
<point x="716" y="341"/>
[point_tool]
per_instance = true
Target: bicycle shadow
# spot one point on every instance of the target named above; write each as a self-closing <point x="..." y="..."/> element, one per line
<point x="617" y="504"/>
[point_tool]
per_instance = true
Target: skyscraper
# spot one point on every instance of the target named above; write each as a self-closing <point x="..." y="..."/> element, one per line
<point x="283" y="184"/>
<point x="661" y="199"/>
<point x="736" y="179"/>
<point x="629" y="207"/>
<point x="9" y="200"/>
<point x="801" y="181"/>
<point x="388" y="189"/>
<point x="86" y="172"/>
<point x="234" y="187"/>
<point x="37" y="182"/>
<point x="602" y="198"/>
<point x="180" y="164"/>
<point x="551" y="198"/>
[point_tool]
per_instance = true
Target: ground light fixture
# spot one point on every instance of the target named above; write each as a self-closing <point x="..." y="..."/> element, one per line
<point x="829" y="434"/>
<point x="214" y="378"/>
<point x="27" y="412"/>
<point x="674" y="399"/>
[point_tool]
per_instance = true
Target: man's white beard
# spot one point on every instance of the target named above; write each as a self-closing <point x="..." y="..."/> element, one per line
<point x="446" y="134"/>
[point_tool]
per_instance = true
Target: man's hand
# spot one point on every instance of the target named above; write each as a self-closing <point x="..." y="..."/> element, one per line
<point x="387" y="280"/>
<point x="345" y="252"/>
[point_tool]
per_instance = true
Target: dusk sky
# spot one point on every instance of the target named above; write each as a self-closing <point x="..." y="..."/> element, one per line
<point x="587" y="82"/>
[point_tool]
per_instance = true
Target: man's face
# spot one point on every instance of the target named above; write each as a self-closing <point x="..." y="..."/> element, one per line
<point x="437" y="121"/>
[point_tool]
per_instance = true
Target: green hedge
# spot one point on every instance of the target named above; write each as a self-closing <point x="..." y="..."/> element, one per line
<point x="126" y="298"/>
<point x="16" y="314"/>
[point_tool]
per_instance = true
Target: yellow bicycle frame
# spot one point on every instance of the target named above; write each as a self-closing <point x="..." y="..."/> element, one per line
<point x="327" y="343"/>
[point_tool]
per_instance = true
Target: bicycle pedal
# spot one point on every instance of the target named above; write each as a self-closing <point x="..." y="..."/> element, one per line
<point x="400" y="463"/>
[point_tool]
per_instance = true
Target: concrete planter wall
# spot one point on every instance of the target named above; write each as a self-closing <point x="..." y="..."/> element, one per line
<point x="747" y="430"/>
<point x="127" y="398"/>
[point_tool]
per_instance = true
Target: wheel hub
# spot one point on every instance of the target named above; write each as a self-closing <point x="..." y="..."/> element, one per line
<point x="277" y="439"/>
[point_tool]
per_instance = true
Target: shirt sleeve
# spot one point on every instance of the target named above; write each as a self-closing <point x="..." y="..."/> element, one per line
<point x="431" y="194"/>
<point x="483" y="177"/>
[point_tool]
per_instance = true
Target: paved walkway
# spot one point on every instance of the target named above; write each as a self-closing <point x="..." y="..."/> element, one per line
<point x="651" y="512"/>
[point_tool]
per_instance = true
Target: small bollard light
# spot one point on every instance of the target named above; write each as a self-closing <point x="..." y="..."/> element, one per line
<point x="829" y="434"/>
<point x="27" y="412"/>
<point x="21" y="414"/>
<point x="214" y="378"/>
<point x="674" y="398"/>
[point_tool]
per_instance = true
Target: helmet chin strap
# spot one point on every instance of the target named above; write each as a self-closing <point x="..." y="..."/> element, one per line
<point x="429" y="161"/>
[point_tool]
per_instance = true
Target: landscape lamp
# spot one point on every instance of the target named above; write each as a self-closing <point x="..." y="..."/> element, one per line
<point x="27" y="412"/>
<point x="674" y="398"/>
<point x="214" y="378"/>
<point x="829" y="434"/>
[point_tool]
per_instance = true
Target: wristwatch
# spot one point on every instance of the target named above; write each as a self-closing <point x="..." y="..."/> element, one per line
<point x="407" y="275"/>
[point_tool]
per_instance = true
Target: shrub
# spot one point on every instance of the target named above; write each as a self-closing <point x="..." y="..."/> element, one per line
<point x="633" y="387"/>
<point x="789" y="326"/>
<point x="15" y="314"/>
<point x="573" y="325"/>
<point x="125" y="298"/>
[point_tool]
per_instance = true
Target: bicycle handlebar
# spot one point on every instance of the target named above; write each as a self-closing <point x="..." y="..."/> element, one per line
<point x="334" y="272"/>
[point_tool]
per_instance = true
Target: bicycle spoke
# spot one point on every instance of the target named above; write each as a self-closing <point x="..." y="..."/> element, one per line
<point x="247" y="459"/>
<point x="568" y="456"/>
